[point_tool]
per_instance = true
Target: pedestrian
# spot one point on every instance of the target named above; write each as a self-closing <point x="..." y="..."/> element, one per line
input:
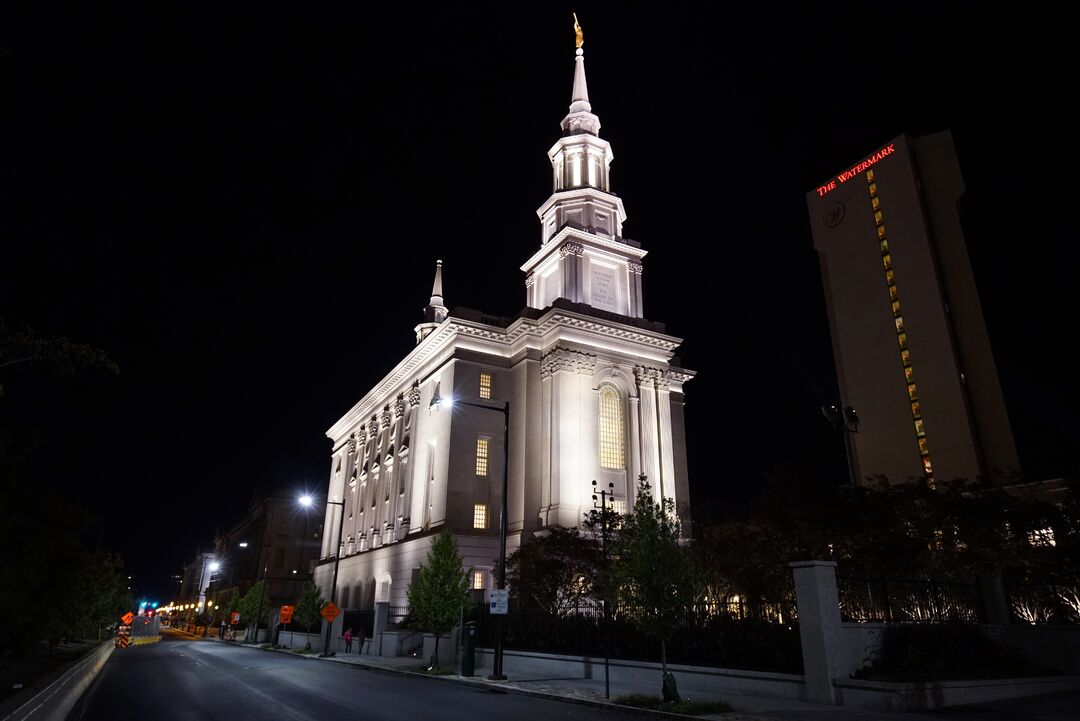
<point x="221" y="631"/>
<point x="360" y="641"/>
<point x="348" y="640"/>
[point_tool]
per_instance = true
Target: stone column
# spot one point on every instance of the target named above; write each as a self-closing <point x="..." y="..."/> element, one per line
<point x="819" y="626"/>
<point x="382" y="618"/>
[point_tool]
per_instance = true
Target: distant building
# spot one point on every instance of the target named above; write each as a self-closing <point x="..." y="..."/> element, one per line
<point x="195" y="579"/>
<point x="912" y="352"/>
<point x="593" y="392"/>
<point x="277" y="541"/>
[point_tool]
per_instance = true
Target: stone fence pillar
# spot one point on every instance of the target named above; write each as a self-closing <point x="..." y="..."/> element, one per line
<point x="382" y="620"/>
<point x="819" y="626"/>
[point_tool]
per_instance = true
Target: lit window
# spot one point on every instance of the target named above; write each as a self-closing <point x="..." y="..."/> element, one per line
<point x="873" y="189"/>
<point x="485" y="385"/>
<point x="478" y="580"/>
<point x="479" y="515"/>
<point x="919" y="429"/>
<point x="611" y="429"/>
<point x="905" y="357"/>
<point x="927" y="465"/>
<point x="870" y="176"/>
<point x="924" y="450"/>
<point x="1042" y="537"/>
<point x="899" y="320"/>
<point x="881" y="231"/>
<point x="896" y="307"/>
<point x="618" y="506"/>
<point x="876" y="202"/>
<point x="909" y="373"/>
<point x="481" y="456"/>
<point x="877" y="217"/>
<point x="915" y="410"/>
<point x="912" y="392"/>
<point x="902" y="340"/>
<point x="889" y="277"/>
<point x="893" y="293"/>
<point x="886" y="260"/>
<point x="884" y="246"/>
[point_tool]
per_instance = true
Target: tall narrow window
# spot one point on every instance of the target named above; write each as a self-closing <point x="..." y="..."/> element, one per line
<point x="611" y="429"/>
<point x="479" y="515"/>
<point x="481" y="456"/>
<point x="478" y="580"/>
<point x="485" y="385"/>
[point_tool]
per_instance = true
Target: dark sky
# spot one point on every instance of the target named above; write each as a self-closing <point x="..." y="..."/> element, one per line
<point x="243" y="205"/>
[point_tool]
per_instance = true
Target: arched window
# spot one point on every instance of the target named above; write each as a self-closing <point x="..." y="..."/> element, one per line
<point x="611" y="429"/>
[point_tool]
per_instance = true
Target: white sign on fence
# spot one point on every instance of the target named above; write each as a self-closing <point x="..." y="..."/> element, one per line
<point x="500" y="601"/>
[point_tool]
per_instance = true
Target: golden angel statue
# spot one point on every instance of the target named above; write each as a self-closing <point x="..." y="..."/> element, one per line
<point x="577" y="31"/>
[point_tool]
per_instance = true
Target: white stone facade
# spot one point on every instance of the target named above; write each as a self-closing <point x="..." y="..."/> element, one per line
<point x="590" y="384"/>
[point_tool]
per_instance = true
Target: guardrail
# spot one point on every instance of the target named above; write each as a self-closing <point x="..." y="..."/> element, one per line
<point x="55" y="701"/>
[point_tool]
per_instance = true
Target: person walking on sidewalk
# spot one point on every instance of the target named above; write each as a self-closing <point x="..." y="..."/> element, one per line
<point x="360" y="640"/>
<point x="348" y="640"/>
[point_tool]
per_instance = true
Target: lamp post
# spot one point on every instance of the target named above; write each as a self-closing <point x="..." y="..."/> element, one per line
<point x="605" y="498"/>
<point x="846" y="421"/>
<point x="306" y="502"/>
<point x="500" y="577"/>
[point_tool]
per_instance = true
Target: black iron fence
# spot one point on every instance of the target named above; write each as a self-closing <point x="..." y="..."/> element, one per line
<point x="918" y="600"/>
<point x="1039" y="603"/>
<point x="759" y="635"/>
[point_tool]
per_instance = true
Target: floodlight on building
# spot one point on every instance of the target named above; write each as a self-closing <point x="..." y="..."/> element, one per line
<point x="306" y="501"/>
<point x="215" y="566"/>
<point x="243" y="544"/>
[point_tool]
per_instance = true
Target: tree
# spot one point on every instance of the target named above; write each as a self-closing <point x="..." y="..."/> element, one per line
<point x="656" y="575"/>
<point x="441" y="591"/>
<point x="307" y="610"/>
<point x="557" y="572"/>
<point x="248" y="606"/>
<point x="27" y="346"/>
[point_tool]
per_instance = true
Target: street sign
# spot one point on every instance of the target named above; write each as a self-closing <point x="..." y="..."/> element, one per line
<point x="286" y="614"/>
<point x="127" y="618"/>
<point x="499" y="601"/>
<point x="330" y="612"/>
<point x="234" y="617"/>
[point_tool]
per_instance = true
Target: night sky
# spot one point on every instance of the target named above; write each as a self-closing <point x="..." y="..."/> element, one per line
<point x="244" y="204"/>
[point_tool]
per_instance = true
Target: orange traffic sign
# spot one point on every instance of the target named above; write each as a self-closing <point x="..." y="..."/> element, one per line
<point x="330" y="612"/>
<point x="127" y="618"/>
<point x="286" y="614"/>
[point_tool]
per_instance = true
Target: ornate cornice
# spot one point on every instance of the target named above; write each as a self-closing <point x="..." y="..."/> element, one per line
<point x="634" y="266"/>
<point x="571" y="248"/>
<point x="385" y="416"/>
<point x="530" y="279"/>
<point x="564" y="359"/>
<point x="414" y="394"/>
<point x="399" y="406"/>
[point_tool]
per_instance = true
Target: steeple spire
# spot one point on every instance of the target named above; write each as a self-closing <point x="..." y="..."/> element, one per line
<point x="580" y="119"/>
<point x="434" y="312"/>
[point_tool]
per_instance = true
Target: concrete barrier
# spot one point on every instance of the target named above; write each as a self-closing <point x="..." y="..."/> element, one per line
<point x="55" y="701"/>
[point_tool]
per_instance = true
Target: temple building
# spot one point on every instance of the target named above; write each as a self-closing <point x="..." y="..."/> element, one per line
<point x="577" y="387"/>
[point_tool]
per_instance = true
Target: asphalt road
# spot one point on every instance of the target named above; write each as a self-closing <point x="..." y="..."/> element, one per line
<point x="183" y="680"/>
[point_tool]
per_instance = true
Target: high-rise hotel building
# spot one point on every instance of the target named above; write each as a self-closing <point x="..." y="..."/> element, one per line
<point x="912" y="352"/>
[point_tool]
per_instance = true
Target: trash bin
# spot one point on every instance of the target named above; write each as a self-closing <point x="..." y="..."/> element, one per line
<point x="468" y="658"/>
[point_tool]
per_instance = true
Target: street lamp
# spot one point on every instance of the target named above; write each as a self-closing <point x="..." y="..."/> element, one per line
<point x="846" y="421"/>
<point x="605" y="499"/>
<point x="307" y="501"/>
<point x="500" y="578"/>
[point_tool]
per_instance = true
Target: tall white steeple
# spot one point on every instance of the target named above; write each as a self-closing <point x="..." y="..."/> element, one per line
<point x="434" y="312"/>
<point x="583" y="256"/>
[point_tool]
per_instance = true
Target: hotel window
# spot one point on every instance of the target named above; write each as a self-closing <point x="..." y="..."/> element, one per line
<point x="896" y="307"/>
<point x="482" y="456"/>
<point x="875" y="202"/>
<point x="923" y="450"/>
<point x="884" y="246"/>
<point x="905" y="357"/>
<point x="873" y="189"/>
<point x="899" y="320"/>
<point x="919" y="429"/>
<point x="478" y="578"/>
<point x="479" y="515"/>
<point x="927" y="465"/>
<point x="902" y="340"/>
<point x="893" y="295"/>
<point x="886" y="260"/>
<point x="485" y="385"/>
<point x="912" y="391"/>
<point x="881" y="231"/>
<point x="870" y="176"/>
<point x="877" y="217"/>
<point x="611" y="429"/>
<point x="915" y="409"/>
<point x="909" y="373"/>
<point x="890" y="278"/>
